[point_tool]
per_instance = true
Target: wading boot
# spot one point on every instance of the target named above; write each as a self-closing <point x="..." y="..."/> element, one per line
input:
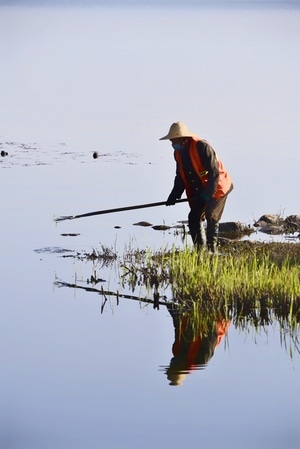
<point x="212" y="237"/>
<point x="198" y="235"/>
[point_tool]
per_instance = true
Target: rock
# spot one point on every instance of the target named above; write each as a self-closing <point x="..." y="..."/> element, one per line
<point x="293" y="219"/>
<point x="161" y="227"/>
<point x="234" y="229"/>
<point x="142" y="223"/>
<point x="292" y="224"/>
<point x="231" y="226"/>
<point x="269" y="219"/>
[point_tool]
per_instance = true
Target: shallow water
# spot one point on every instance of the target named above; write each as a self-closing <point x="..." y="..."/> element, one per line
<point x="77" y="81"/>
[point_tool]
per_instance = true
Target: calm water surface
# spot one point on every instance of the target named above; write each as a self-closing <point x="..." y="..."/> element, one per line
<point x="76" y="81"/>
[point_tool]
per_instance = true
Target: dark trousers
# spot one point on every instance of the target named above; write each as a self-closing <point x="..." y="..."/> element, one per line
<point x="211" y="211"/>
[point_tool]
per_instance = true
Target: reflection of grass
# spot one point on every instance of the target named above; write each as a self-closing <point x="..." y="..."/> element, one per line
<point x="252" y="284"/>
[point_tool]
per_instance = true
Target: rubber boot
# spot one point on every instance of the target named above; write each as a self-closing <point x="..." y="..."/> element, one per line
<point x="198" y="234"/>
<point x="212" y="237"/>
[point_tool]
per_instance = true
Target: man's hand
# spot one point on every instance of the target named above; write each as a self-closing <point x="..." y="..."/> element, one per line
<point x="171" y="200"/>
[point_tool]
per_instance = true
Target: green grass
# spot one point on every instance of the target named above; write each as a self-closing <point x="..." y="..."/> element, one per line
<point x="240" y="276"/>
<point x="251" y="273"/>
<point x="247" y="280"/>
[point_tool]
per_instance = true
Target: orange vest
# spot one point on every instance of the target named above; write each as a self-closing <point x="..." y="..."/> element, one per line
<point x="224" y="182"/>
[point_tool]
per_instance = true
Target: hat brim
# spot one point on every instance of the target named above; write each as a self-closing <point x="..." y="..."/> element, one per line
<point x="167" y="137"/>
<point x="172" y="136"/>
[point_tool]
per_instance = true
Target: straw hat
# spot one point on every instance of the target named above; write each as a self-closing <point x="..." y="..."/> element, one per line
<point x="176" y="130"/>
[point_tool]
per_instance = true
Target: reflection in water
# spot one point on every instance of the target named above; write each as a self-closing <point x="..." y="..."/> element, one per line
<point x="156" y="301"/>
<point x="195" y="342"/>
<point x="197" y="332"/>
<point x="201" y="325"/>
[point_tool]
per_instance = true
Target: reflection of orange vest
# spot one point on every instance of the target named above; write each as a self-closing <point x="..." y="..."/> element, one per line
<point x="191" y="349"/>
<point x="224" y="182"/>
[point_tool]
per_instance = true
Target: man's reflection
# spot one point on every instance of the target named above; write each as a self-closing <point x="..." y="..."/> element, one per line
<point x="196" y="339"/>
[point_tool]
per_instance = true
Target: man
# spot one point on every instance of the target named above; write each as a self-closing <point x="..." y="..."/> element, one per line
<point x="202" y="175"/>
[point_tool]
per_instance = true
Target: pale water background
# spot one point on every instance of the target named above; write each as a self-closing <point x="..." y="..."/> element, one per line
<point x="75" y="80"/>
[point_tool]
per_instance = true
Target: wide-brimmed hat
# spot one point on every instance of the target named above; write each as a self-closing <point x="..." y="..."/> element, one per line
<point x="177" y="130"/>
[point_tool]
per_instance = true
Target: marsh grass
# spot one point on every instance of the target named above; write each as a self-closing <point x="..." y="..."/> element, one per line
<point x="243" y="276"/>
<point x="253" y="272"/>
<point x="249" y="282"/>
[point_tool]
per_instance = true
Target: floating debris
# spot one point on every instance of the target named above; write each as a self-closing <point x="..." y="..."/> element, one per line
<point x="69" y="235"/>
<point x="94" y="280"/>
<point x="52" y="250"/>
<point x="178" y="226"/>
<point x="161" y="227"/>
<point x="4" y="153"/>
<point x="142" y="223"/>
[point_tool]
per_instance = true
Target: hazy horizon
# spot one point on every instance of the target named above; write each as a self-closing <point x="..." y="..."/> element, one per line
<point x="157" y="3"/>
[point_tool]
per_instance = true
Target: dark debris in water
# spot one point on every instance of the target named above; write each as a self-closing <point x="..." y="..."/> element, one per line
<point x="95" y="280"/>
<point x="74" y="234"/>
<point x="53" y="250"/>
<point x="32" y="154"/>
<point x="142" y="223"/>
<point x="161" y="227"/>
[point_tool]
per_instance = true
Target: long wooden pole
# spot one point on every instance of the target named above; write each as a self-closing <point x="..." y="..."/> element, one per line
<point x="118" y="209"/>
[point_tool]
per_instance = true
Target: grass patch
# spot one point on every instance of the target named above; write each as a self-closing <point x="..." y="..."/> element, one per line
<point x="246" y="279"/>
<point x="240" y="271"/>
